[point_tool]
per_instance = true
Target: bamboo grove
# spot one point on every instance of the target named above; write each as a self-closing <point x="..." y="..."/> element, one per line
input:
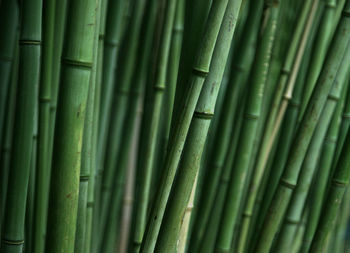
<point x="193" y="126"/>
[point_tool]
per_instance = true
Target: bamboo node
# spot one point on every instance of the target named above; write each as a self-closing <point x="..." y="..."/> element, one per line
<point x="45" y="99"/>
<point x="90" y="204"/>
<point x="285" y="72"/>
<point x="84" y="178"/>
<point x="101" y="37"/>
<point x="294" y="104"/>
<point x="111" y="44"/>
<point x="203" y="115"/>
<point x="81" y="64"/>
<point x="30" y="42"/>
<point x="345" y="13"/>
<point x="332" y="97"/>
<point x="292" y="222"/>
<point x="200" y="72"/>
<point x="346" y="115"/>
<point x="287" y="184"/>
<point x="159" y="87"/>
<point x="251" y="116"/>
<point x="339" y="183"/>
<point x="13" y="242"/>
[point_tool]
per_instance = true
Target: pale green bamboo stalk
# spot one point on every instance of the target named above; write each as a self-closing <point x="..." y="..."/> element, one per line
<point x="77" y="61"/>
<point x="281" y="198"/>
<point x="176" y="143"/>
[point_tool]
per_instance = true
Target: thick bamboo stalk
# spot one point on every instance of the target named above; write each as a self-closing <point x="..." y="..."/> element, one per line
<point x="77" y="62"/>
<point x="29" y="71"/>
<point x="281" y="198"/>
<point x="200" y="71"/>
<point x="197" y="134"/>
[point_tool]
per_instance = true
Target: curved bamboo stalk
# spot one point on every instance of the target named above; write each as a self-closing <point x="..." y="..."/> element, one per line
<point x="29" y="71"/>
<point x="281" y="198"/>
<point x="77" y="62"/>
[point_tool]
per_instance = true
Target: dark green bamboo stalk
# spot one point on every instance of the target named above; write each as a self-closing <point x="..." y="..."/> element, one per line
<point x="323" y="38"/>
<point x="114" y="22"/>
<point x="334" y="197"/>
<point x="197" y="134"/>
<point x="77" y="62"/>
<point x="29" y="71"/>
<point x="112" y="172"/>
<point x="296" y="205"/>
<point x="268" y="138"/>
<point x="281" y="198"/>
<point x="6" y="149"/>
<point x="249" y="128"/>
<point x="95" y="186"/>
<point x="240" y="71"/>
<point x="97" y="78"/>
<point x="143" y="176"/>
<point x="9" y="22"/>
<point x="323" y="174"/>
<point x="43" y="164"/>
<point x="200" y="71"/>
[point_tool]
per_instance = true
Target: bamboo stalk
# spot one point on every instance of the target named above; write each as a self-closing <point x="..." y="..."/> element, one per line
<point x="240" y="71"/>
<point x="334" y="197"/>
<point x="248" y="131"/>
<point x="77" y="62"/>
<point x="200" y="71"/>
<point x="43" y="164"/>
<point x="323" y="174"/>
<point x="288" y="181"/>
<point x="9" y="22"/>
<point x="196" y="138"/>
<point x="119" y="107"/>
<point x="29" y="70"/>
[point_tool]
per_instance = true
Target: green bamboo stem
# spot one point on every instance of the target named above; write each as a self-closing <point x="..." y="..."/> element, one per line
<point x="272" y="126"/>
<point x="43" y="169"/>
<point x="323" y="38"/>
<point x="77" y="62"/>
<point x="6" y="149"/>
<point x="341" y="226"/>
<point x="303" y="137"/>
<point x="29" y="69"/>
<point x="97" y="79"/>
<point x="142" y="191"/>
<point x="248" y="131"/>
<point x="111" y="48"/>
<point x="210" y="235"/>
<point x="323" y="174"/>
<point x="95" y="186"/>
<point x="200" y="71"/>
<point x="189" y="166"/>
<point x="240" y="71"/>
<point x="334" y="196"/>
<point x="9" y="22"/>
<point x="298" y="238"/>
<point x="119" y="107"/>
<point x="296" y="205"/>
<point x="88" y="160"/>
